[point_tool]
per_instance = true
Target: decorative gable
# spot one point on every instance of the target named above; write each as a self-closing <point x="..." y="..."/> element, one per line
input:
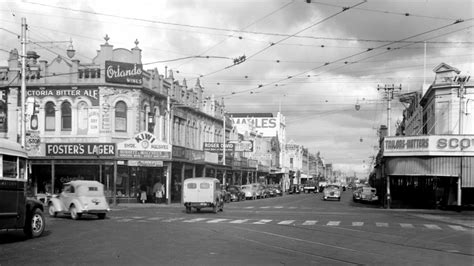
<point x="445" y="73"/>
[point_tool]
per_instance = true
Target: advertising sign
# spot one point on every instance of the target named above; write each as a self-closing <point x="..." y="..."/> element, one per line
<point x="92" y="93"/>
<point x="144" y="145"/>
<point x="439" y="145"/>
<point x="123" y="73"/>
<point x="242" y="145"/>
<point x="268" y="126"/>
<point x="80" y="149"/>
<point x="218" y="147"/>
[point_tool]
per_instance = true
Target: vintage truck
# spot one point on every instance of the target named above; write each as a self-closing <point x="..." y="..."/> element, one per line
<point x="310" y="186"/>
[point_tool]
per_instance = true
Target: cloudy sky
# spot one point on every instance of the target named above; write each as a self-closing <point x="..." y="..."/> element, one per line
<point x="313" y="61"/>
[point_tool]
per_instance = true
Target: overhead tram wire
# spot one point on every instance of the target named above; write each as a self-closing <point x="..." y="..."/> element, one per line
<point x="347" y="57"/>
<point x="288" y="37"/>
<point x="247" y="26"/>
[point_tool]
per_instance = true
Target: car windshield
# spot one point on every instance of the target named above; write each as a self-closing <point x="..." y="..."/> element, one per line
<point x="332" y="187"/>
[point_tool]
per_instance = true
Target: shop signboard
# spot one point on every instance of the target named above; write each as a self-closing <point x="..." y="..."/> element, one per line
<point x="434" y="145"/>
<point x="145" y="163"/>
<point x="88" y="92"/>
<point x="80" y="149"/>
<point x="144" y="145"/>
<point x="242" y="145"/>
<point x="218" y="147"/>
<point x="267" y="125"/>
<point x="123" y="73"/>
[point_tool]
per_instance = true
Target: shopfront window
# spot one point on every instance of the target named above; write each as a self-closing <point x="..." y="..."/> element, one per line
<point x="66" y="118"/>
<point x="50" y="117"/>
<point x="121" y="117"/>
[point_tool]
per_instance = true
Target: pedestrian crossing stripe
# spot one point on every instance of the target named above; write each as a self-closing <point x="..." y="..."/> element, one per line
<point x="262" y="221"/>
<point x="283" y="222"/>
<point x="265" y="207"/>
<point x="457" y="227"/>
<point x="239" y="221"/>
<point x="216" y="221"/>
<point x="432" y="226"/>
<point x="195" y="220"/>
<point x="287" y="222"/>
<point x="406" y="225"/>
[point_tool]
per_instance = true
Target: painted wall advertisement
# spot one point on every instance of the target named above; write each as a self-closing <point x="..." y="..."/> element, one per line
<point x="266" y="125"/>
<point x="439" y="145"/>
<point x="144" y="145"/>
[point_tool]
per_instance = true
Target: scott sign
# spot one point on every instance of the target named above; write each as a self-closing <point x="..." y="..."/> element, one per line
<point x="449" y="145"/>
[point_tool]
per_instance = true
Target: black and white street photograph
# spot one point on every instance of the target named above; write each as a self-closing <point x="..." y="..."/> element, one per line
<point x="236" y="132"/>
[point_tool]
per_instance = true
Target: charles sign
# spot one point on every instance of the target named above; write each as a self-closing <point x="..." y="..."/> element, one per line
<point x="123" y="73"/>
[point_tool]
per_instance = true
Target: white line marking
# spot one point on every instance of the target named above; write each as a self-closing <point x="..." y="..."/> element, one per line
<point x="432" y="226"/>
<point x="457" y="227"/>
<point x="278" y="207"/>
<point x="194" y="220"/>
<point x="310" y="222"/>
<point x="124" y="220"/>
<point x="333" y="223"/>
<point x="216" y="221"/>
<point x="249" y="207"/>
<point x="381" y="224"/>
<point x="287" y="222"/>
<point x="239" y="221"/>
<point x="154" y="218"/>
<point x="265" y="207"/>
<point x="262" y="222"/>
<point x="407" y="226"/>
<point x="357" y="223"/>
<point x="172" y="220"/>
<point x="138" y="217"/>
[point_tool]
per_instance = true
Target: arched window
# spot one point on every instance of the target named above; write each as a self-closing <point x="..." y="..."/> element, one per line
<point x="3" y="116"/>
<point x="50" y="116"/>
<point x="121" y="116"/>
<point x="66" y="124"/>
<point x="82" y="118"/>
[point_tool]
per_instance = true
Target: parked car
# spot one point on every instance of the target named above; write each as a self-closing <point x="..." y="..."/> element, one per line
<point x="250" y="191"/>
<point x="368" y="194"/>
<point x="356" y="194"/>
<point x="309" y="187"/>
<point x="80" y="197"/>
<point x="236" y="193"/>
<point x="203" y="192"/>
<point x="332" y="192"/>
<point x="294" y="189"/>
<point x="278" y="190"/>
<point x="265" y="191"/>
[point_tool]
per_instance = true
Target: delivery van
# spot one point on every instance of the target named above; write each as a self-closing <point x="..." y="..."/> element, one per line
<point x="202" y="192"/>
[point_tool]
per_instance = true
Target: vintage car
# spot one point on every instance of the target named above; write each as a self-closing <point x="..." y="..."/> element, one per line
<point x="203" y="192"/>
<point x="236" y="193"/>
<point x="250" y="191"/>
<point x="368" y="194"/>
<point x="80" y="197"/>
<point x="332" y="192"/>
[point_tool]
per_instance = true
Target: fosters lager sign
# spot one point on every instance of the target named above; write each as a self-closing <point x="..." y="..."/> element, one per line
<point x="123" y="73"/>
<point x="436" y="145"/>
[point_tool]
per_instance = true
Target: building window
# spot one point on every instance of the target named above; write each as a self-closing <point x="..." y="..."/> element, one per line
<point x="121" y="116"/>
<point x="3" y="116"/>
<point x="66" y="118"/>
<point x="82" y="118"/>
<point x="50" y="116"/>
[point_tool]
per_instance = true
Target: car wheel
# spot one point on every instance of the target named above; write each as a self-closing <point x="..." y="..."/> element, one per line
<point x="101" y="216"/>
<point x="35" y="224"/>
<point x="74" y="214"/>
<point x="52" y="211"/>
<point x="214" y="208"/>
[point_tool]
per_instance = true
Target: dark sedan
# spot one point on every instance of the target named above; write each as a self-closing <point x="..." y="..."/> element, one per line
<point x="236" y="193"/>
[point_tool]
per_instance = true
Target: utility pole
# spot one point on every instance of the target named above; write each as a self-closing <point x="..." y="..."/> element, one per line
<point x="23" y="83"/>
<point x="461" y="80"/>
<point x="389" y="95"/>
<point x="223" y="146"/>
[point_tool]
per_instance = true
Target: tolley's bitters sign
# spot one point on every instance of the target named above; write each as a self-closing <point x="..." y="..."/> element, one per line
<point x="123" y="73"/>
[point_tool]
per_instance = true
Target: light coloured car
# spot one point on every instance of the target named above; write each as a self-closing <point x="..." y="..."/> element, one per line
<point x="368" y="194"/>
<point x="203" y="192"/>
<point x="332" y="192"/>
<point x="80" y="197"/>
<point x="250" y="191"/>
